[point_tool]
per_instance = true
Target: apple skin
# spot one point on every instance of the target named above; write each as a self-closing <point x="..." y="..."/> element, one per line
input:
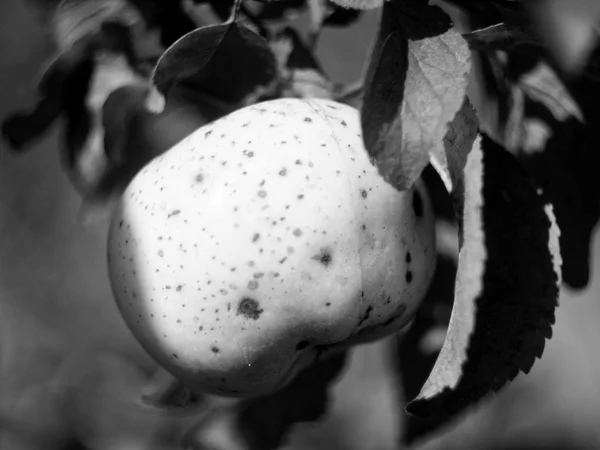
<point x="263" y="242"/>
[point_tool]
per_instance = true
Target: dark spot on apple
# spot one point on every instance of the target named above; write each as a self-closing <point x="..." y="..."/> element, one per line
<point x="174" y="355"/>
<point x="174" y="213"/>
<point x="250" y="154"/>
<point x="249" y="308"/>
<point x="283" y="172"/>
<point x="408" y="257"/>
<point x="215" y="350"/>
<point x="307" y="119"/>
<point x="302" y="345"/>
<point x="262" y="193"/>
<point x="328" y="304"/>
<point x="409" y="276"/>
<point x="178" y="289"/>
<point x="417" y="204"/>
<point x="255" y="237"/>
<point x="324" y="257"/>
<point x="252" y="285"/>
<point x="366" y="315"/>
<point x="363" y="193"/>
<point x="300" y="197"/>
<point x="208" y="133"/>
<point x="297" y="232"/>
<point x="199" y="178"/>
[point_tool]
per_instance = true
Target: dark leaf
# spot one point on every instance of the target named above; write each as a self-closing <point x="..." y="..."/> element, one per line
<point x="64" y="82"/>
<point x="341" y="17"/>
<point x="507" y="285"/>
<point x="264" y="423"/>
<point x="168" y="17"/>
<point x="228" y="61"/>
<point x="279" y="9"/>
<point x="133" y="136"/>
<point x="414" y="86"/>
<point x="547" y="122"/>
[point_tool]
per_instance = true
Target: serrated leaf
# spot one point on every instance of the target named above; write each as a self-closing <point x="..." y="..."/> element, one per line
<point x="507" y="285"/>
<point x="264" y="423"/>
<point x="414" y="86"/>
<point x="546" y="121"/>
<point x="227" y="61"/>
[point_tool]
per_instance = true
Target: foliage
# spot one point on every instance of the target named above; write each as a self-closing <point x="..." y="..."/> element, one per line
<point x="489" y="102"/>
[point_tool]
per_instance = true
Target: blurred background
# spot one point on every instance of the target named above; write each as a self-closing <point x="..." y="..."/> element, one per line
<point x="56" y="306"/>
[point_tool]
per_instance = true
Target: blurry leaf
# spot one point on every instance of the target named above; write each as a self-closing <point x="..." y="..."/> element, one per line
<point x="318" y="11"/>
<point x="280" y="9"/>
<point x="300" y="73"/>
<point x="339" y="16"/>
<point x="133" y="136"/>
<point x="169" y="17"/>
<point x="227" y="61"/>
<point x="292" y="52"/>
<point x="416" y="353"/>
<point x="64" y="82"/>
<point x="507" y="285"/>
<point x="264" y="423"/>
<point x="65" y="92"/>
<point x="415" y="84"/>
<point x="569" y="28"/>
<point x="359" y="4"/>
<point x="524" y="105"/>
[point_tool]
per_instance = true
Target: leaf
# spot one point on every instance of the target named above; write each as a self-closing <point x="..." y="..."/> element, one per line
<point x="359" y="4"/>
<point x="569" y="28"/>
<point x="507" y="285"/>
<point x="227" y="61"/>
<point x="340" y="16"/>
<point x="132" y="137"/>
<point x="73" y="69"/>
<point x="545" y="120"/>
<point x="414" y="86"/>
<point x="417" y="352"/>
<point x="300" y="73"/>
<point x="64" y="92"/>
<point x="279" y="9"/>
<point x="264" y="423"/>
<point x="169" y="17"/>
